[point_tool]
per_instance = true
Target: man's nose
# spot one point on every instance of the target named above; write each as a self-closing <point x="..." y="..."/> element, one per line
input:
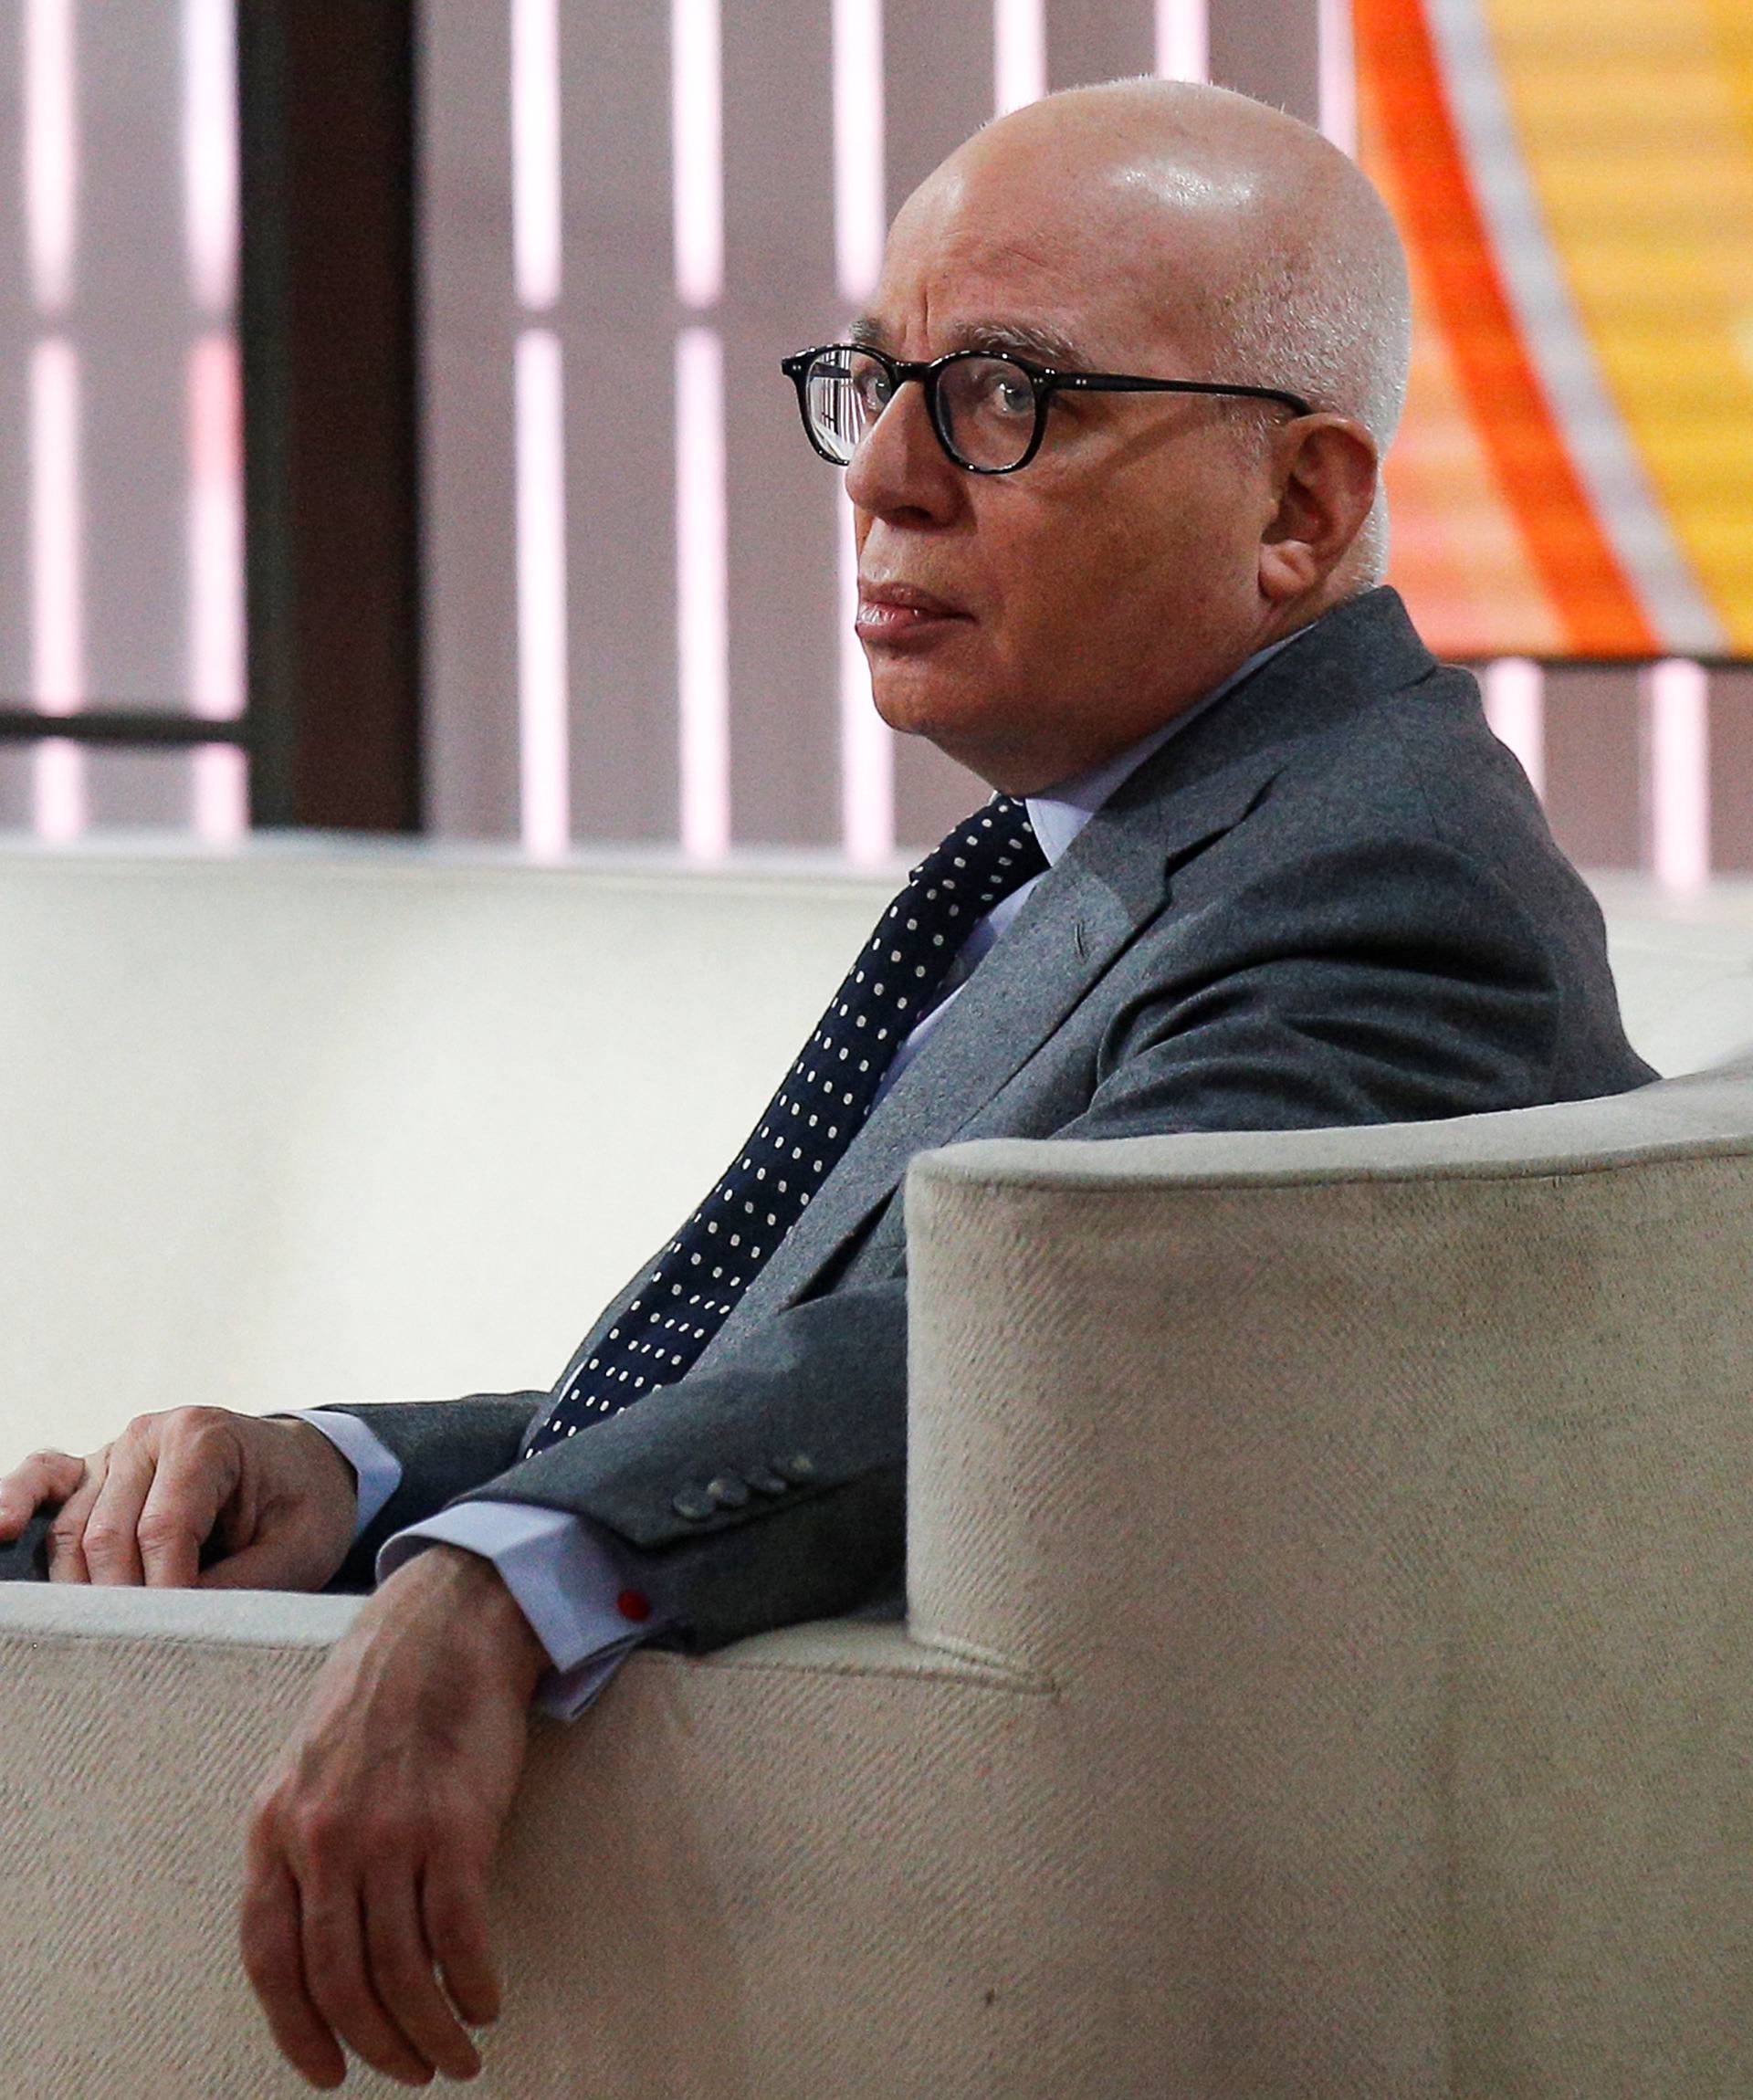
<point x="897" y="465"/>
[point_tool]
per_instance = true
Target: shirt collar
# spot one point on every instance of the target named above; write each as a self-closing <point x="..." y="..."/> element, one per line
<point x="1060" y="812"/>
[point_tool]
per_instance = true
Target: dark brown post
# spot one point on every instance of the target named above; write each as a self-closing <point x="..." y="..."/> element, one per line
<point x="327" y="320"/>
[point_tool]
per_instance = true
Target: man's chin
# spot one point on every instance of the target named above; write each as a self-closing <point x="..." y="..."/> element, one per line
<point x="914" y="703"/>
<point x="964" y="734"/>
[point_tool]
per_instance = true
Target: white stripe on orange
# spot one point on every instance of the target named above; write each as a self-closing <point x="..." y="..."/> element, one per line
<point x="1625" y="504"/>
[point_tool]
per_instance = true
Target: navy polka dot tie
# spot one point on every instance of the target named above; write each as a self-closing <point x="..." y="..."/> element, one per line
<point x="809" y="1123"/>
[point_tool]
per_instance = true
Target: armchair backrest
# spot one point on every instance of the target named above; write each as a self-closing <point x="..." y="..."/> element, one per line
<point x="1394" y="1487"/>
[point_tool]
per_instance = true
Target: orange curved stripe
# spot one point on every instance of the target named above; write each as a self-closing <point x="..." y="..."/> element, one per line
<point x="1571" y="555"/>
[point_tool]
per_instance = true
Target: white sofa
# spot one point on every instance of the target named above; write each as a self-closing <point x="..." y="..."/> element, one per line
<point x="1327" y="1664"/>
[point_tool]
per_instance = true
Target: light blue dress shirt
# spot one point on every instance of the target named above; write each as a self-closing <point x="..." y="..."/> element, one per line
<point x="565" y="1573"/>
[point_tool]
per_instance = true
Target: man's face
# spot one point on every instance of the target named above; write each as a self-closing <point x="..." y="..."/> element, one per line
<point x="1114" y="579"/>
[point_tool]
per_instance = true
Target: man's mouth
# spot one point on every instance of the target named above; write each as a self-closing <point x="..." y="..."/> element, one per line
<point x="893" y="612"/>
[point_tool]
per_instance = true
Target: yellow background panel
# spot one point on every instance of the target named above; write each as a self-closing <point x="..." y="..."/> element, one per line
<point x="1636" y="126"/>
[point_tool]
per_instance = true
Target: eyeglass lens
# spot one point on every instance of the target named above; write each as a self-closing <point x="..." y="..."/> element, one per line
<point x="986" y="406"/>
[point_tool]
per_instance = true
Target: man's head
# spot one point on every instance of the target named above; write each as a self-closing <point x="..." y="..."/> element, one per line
<point x="1155" y="540"/>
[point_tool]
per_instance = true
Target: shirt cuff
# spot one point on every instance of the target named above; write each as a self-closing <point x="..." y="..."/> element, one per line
<point x="377" y="1466"/>
<point x="565" y="1578"/>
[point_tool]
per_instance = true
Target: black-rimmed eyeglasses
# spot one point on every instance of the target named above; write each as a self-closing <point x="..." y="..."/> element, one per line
<point x="988" y="411"/>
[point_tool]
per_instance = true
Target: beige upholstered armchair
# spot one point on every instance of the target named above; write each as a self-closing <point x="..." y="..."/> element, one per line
<point x="1328" y="1673"/>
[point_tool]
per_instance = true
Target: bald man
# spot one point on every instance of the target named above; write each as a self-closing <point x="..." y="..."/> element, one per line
<point x="1110" y="429"/>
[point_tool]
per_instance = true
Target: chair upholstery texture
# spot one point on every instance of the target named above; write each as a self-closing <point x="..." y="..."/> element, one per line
<point x="1329" y="1672"/>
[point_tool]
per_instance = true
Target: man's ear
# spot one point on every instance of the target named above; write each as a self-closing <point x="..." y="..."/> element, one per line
<point x="1324" y="471"/>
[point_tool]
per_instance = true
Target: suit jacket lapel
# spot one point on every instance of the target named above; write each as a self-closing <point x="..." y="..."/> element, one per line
<point x="1111" y="882"/>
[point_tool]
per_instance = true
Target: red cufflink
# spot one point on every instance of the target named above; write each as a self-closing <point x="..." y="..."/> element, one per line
<point x="634" y="1604"/>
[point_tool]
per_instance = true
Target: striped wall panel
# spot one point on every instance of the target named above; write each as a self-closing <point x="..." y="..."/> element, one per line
<point x="638" y="576"/>
<point x="120" y="477"/>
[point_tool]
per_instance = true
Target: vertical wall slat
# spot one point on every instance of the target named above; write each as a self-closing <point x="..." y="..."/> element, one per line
<point x="779" y="296"/>
<point x="134" y="331"/>
<point x="18" y="330"/>
<point x="1676" y="773"/>
<point x="326" y="302"/>
<point x="467" y="454"/>
<point x="1269" y="48"/>
<point x="940" y="84"/>
<point x="1098" y="40"/>
<point x="1593" y="721"/>
<point x="940" y="87"/>
<point x="618" y="323"/>
<point x="1731" y="770"/>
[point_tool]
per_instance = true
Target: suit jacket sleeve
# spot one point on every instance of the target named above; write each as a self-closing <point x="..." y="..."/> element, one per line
<point x="444" y="1448"/>
<point x="1376" y="983"/>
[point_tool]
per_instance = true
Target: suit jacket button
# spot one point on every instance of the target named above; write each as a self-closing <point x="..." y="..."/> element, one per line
<point x="695" y="1505"/>
<point x="767" y="1483"/>
<point x="728" y="1490"/>
<point x="798" y="1466"/>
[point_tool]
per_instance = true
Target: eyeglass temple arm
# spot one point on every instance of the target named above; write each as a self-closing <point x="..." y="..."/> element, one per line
<point x="795" y="368"/>
<point x="1122" y="383"/>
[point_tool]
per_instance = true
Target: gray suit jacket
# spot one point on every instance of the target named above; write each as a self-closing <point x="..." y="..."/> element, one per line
<point x="1332" y="899"/>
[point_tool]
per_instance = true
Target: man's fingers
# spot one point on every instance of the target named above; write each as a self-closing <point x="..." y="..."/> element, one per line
<point x="453" y="1901"/>
<point x="335" y="1974"/>
<point x="192" y="1481"/>
<point x="401" y="1973"/>
<point x="45" y="1476"/>
<point x="273" y="1962"/>
<point x="66" y="1533"/>
<point x="111" y="1539"/>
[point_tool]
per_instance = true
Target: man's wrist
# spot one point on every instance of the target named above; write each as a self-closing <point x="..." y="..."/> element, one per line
<point x="344" y="1468"/>
<point x="477" y="1592"/>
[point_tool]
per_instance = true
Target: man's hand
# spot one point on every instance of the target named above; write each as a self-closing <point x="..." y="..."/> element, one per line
<point x="278" y="1497"/>
<point x="370" y="1841"/>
